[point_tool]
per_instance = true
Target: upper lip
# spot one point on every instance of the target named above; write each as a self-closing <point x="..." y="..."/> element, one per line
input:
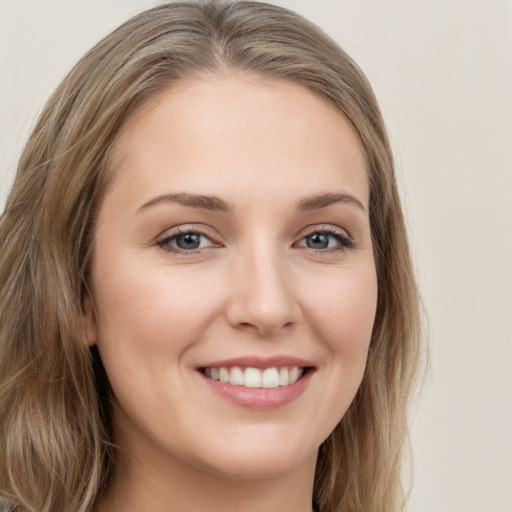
<point x="259" y="362"/>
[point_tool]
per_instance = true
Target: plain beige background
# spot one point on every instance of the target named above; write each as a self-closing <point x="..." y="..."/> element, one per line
<point x="442" y="70"/>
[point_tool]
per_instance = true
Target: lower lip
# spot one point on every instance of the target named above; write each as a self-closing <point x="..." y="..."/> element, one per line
<point x="259" y="398"/>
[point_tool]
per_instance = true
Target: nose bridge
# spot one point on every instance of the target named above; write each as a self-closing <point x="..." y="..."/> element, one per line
<point x="263" y="294"/>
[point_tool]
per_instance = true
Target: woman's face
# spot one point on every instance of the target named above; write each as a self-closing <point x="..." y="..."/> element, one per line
<point x="233" y="243"/>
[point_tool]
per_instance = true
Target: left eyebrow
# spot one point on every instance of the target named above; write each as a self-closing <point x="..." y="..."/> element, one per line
<point x="323" y="200"/>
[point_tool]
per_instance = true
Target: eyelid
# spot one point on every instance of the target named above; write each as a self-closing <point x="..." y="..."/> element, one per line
<point x="329" y="228"/>
<point x="346" y="240"/>
<point x="164" y="239"/>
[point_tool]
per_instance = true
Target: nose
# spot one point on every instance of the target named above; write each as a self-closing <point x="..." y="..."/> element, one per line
<point x="262" y="293"/>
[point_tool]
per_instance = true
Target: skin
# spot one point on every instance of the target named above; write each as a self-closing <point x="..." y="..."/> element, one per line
<point x="253" y="287"/>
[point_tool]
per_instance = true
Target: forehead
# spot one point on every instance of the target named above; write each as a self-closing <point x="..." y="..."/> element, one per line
<point x="232" y="134"/>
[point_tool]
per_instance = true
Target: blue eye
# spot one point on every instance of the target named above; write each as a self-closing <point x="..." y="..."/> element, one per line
<point x="185" y="241"/>
<point x="326" y="240"/>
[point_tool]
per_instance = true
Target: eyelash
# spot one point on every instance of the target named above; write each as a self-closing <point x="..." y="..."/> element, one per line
<point x="165" y="243"/>
<point x="344" y="240"/>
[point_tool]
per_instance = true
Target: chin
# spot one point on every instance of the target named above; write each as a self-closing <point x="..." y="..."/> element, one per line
<point x="261" y="456"/>
<point x="258" y="467"/>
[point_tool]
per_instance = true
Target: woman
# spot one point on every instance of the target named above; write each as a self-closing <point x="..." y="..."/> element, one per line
<point x="207" y="297"/>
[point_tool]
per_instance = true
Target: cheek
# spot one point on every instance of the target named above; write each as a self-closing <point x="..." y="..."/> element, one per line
<point x="343" y="318"/>
<point x="147" y="316"/>
<point x="346" y="310"/>
<point x="146" y="323"/>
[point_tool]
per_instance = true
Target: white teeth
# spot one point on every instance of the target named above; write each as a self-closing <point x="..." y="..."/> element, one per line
<point x="236" y="376"/>
<point x="223" y="374"/>
<point x="270" y="378"/>
<point x="254" y="377"/>
<point x="284" y="376"/>
<point x="295" y="373"/>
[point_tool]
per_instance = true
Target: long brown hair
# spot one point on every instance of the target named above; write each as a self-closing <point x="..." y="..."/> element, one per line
<point x="55" y="433"/>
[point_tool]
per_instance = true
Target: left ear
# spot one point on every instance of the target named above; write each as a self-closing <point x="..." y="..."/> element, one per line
<point x="90" y="331"/>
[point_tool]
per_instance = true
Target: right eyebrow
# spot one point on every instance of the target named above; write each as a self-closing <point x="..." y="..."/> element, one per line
<point x="211" y="203"/>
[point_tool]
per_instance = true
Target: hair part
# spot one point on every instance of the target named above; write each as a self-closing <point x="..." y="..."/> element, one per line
<point x="56" y="450"/>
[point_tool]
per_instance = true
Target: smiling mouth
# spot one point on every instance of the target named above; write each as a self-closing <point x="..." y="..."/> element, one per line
<point x="250" y="377"/>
